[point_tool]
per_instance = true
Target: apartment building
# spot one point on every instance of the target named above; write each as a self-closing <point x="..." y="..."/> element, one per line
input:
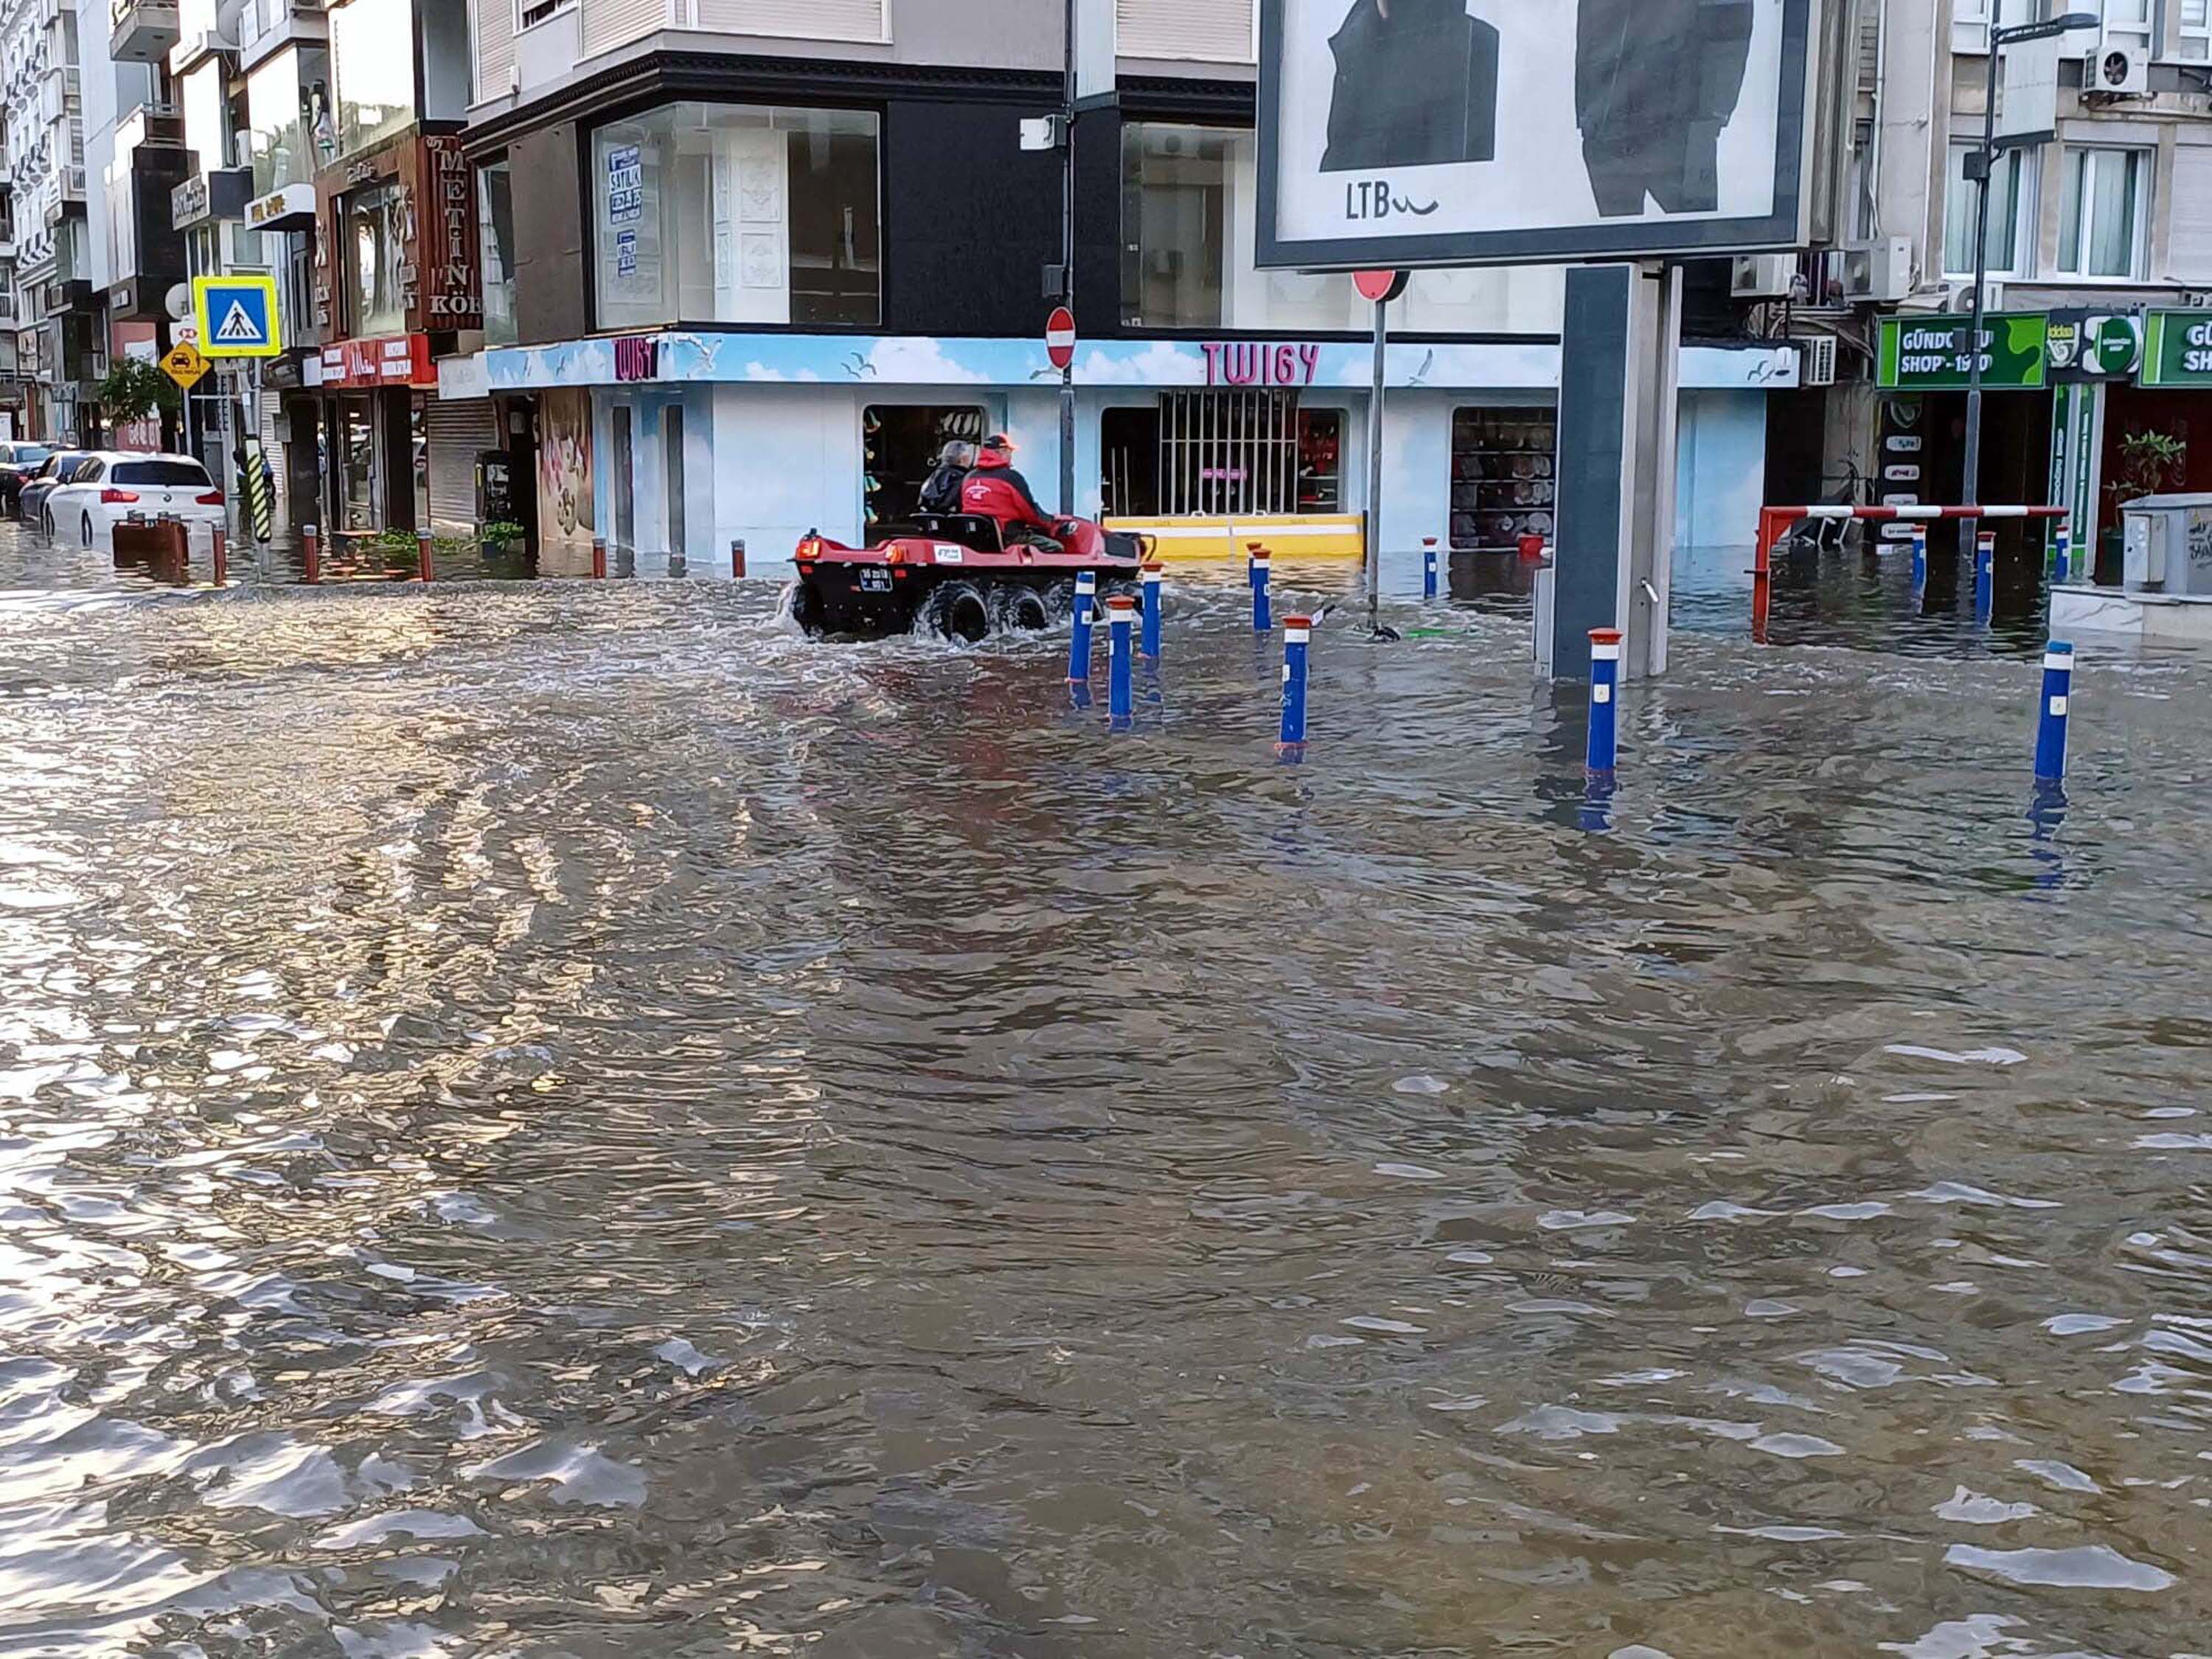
<point x="2099" y="251"/>
<point x="60" y="353"/>
<point x="747" y="265"/>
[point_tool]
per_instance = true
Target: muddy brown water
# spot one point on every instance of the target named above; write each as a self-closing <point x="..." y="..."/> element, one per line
<point x="568" y="1121"/>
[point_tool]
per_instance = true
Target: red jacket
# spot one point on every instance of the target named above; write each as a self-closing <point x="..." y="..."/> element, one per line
<point x="995" y="490"/>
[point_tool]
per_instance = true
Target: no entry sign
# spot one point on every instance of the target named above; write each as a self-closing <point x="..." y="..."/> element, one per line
<point x="1060" y="336"/>
<point x="1379" y="286"/>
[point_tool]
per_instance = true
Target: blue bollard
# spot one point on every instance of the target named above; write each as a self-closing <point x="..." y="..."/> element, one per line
<point x="1152" y="573"/>
<point x="1078" y="637"/>
<point x="1985" y="574"/>
<point x="1428" y="567"/>
<point x="1121" y="619"/>
<point x="1605" y="708"/>
<point x="2058" y="697"/>
<point x="1262" y="622"/>
<point x="1297" y="632"/>
<point x="1919" y="557"/>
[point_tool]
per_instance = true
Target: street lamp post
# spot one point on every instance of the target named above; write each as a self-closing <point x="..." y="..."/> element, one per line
<point x="1983" y="164"/>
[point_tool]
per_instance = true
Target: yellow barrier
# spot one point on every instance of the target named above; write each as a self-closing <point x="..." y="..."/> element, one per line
<point x="1306" y="537"/>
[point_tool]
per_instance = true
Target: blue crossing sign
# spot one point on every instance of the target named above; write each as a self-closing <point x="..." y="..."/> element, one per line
<point x="237" y="316"/>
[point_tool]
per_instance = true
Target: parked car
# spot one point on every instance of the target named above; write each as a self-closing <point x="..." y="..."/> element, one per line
<point x="17" y="462"/>
<point x="112" y="484"/>
<point x="30" y="494"/>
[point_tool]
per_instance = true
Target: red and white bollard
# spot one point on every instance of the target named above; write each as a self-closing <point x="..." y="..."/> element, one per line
<point x="221" y="549"/>
<point x="598" y="558"/>
<point x="422" y="555"/>
<point x="311" y="555"/>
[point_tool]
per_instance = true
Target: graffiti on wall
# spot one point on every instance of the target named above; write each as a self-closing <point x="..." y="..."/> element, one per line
<point x="564" y="470"/>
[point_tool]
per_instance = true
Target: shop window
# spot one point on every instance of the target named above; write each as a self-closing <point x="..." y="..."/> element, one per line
<point x="1502" y="465"/>
<point x="1228" y="454"/>
<point x="373" y="45"/>
<point x="1321" y="460"/>
<point x="738" y="214"/>
<point x="496" y="242"/>
<point x="1129" y="462"/>
<point x="899" y="445"/>
<point x="375" y="303"/>
<point x="1175" y="194"/>
<point x="2011" y="184"/>
<point x="2102" y="223"/>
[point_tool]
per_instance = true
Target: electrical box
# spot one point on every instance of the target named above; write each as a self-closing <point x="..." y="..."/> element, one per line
<point x="2168" y="544"/>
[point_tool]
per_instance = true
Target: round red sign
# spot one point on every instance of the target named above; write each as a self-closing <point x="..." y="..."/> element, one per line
<point x="1378" y="285"/>
<point x="1060" y="336"/>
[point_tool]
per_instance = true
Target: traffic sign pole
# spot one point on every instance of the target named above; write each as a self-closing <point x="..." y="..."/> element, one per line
<point x="1059" y="347"/>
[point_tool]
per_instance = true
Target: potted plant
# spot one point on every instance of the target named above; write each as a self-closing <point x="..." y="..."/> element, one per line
<point x="2149" y="461"/>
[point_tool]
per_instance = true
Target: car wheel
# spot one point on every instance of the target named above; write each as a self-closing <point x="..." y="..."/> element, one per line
<point x="47" y="523"/>
<point x="1017" y="610"/>
<point x="84" y="524"/>
<point x="957" y="612"/>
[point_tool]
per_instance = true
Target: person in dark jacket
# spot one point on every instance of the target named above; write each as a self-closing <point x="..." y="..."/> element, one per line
<point x="941" y="492"/>
<point x="995" y="490"/>
<point x="1416" y="86"/>
<point x="1655" y="83"/>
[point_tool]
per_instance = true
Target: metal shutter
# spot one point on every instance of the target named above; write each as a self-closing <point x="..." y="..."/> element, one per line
<point x="495" y="48"/>
<point x="1217" y="31"/>
<point x="2188" y="250"/>
<point x="611" y="23"/>
<point x="812" y="20"/>
<point x="459" y="429"/>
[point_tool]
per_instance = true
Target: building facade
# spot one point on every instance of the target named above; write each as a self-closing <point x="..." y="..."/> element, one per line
<point x="748" y="264"/>
<point x="2098" y="254"/>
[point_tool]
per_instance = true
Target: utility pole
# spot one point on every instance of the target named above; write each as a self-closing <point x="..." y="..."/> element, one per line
<point x="1067" y="268"/>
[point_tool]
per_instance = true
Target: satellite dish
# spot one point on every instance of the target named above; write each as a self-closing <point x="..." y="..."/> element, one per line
<point x="179" y="302"/>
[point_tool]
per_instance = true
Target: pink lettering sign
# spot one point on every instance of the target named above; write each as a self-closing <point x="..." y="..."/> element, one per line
<point x="1249" y="362"/>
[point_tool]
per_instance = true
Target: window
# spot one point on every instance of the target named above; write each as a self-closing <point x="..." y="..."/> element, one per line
<point x="496" y="241"/>
<point x="900" y="443"/>
<point x="1228" y="453"/>
<point x="374" y="304"/>
<point x="372" y="46"/>
<point x="1174" y="190"/>
<point x="283" y="97"/>
<point x="2012" y="184"/>
<point x="2101" y="216"/>
<point x="2126" y="21"/>
<point x="535" y="12"/>
<point x="738" y="214"/>
<point x="1971" y="21"/>
<point x="187" y="474"/>
<point x="1502" y="487"/>
<point x="2194" y="21"/>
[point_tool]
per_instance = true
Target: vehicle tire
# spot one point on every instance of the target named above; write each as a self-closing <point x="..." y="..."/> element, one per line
<point x="46" y="522"/>
<point x="959" y="612"/>
<point x="1017" y="608"/>
<point x="84" y="527"/>
<point x="1059" y="600"/>
<point x="806" y="605"/>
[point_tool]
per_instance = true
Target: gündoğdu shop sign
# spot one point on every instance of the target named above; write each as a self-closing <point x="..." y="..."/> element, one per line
<point x="1930" y="354"/>
<point x="2177" y="348"/>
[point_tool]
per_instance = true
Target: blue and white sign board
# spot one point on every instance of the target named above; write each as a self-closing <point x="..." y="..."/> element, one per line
<point x="237" y="316"/>
<point x="625" y="253"/>
<point x="625" y="185"/>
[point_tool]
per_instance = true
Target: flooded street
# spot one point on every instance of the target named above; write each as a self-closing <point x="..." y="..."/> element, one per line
<point x="565" y="1119"/>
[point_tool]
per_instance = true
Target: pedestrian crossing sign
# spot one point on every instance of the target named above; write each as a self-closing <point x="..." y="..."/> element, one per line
<point x="237" y="316"/>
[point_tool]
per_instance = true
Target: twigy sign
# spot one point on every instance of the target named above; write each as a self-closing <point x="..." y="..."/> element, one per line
<point x="1250" y="362"/>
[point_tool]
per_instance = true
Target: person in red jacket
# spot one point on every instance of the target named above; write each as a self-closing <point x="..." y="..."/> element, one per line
<point x="995" y="490"/>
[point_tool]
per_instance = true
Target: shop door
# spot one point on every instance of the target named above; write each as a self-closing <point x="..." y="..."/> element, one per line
<point x="625" y="485"/>
<point x="357" y="469"/>
<point x="672" y="447"/>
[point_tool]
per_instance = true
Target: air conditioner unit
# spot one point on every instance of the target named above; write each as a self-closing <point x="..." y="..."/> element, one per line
<point x="1880" y="272"/>
<point x="1959" y="298"/>
<point x="1816" y="359"/>
<point x="2120" y="69"/>
<point x="1762" y="275"/>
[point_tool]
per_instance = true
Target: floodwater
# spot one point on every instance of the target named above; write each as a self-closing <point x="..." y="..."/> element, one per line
<point x="565" y="1119"/>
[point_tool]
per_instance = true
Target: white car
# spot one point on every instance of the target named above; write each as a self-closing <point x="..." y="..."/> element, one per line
<point x="115" y="483"/>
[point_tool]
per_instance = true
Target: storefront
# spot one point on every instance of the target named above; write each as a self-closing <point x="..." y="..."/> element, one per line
<point x="697" y="439"/>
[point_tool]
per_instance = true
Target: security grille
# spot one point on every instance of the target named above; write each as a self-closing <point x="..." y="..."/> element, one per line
<point x="1228" y="453"/>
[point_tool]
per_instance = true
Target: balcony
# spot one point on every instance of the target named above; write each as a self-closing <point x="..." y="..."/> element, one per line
<point x="265" y="27"/>
<point x="156" y="125"/>
<point x="144" y="30"/>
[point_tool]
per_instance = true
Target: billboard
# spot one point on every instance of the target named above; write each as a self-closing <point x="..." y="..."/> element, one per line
<point x="1411" y="132"/>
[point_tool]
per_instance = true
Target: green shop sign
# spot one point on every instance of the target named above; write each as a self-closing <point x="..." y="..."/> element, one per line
<point x="1929" y="353"/>
<point x="2177" y="348"/>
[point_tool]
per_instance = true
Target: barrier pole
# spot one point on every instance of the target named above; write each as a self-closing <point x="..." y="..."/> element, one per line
<point x="422" y="555"/>
<point x="1298" y="632"/>
<point x="221" y="550"/>
<point x="1078" y="637"/>
<point x="1257" y="571"/>
<point x="598" y="558"/>
<point x="1771" y="525"/>
<point x="1153" y="573"/>
<point x="310" y="556"/>
<point x="1428" y="567"/>
<point x="1121" y="619"/>
<point x="737" y="558"/>
<point x="1604" y="751"/>
<point x="2058" y="698"/>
